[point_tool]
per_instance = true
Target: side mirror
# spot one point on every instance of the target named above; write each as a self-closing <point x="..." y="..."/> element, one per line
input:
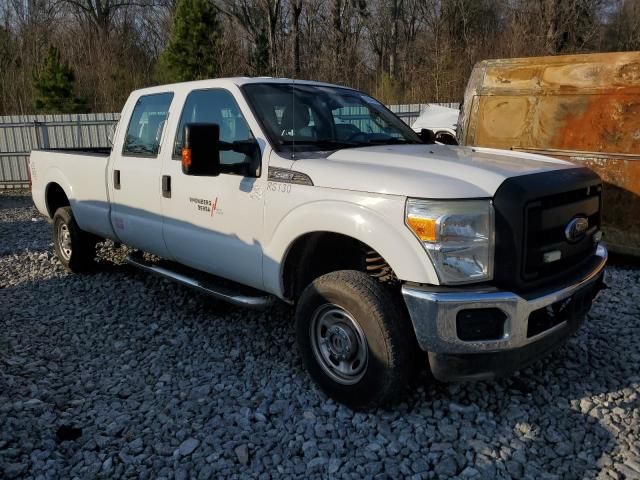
<point x="201" y="151"/>
<point x="427" y="136"/>
<point x="446" y="138"/>
<point x="248" y="147"/>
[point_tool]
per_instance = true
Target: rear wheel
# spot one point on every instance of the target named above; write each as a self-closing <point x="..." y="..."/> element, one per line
<point x="74" y="248"/>
<point x="355" y="339"/>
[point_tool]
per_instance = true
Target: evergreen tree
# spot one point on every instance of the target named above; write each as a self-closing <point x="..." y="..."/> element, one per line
<point x="54" y="87"/>
<point x="194" y="44"/>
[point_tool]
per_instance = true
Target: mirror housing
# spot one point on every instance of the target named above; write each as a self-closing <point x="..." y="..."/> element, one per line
<point x="201" y="151"/>
<point x="248" y="147"/>
<point x="427" y="136"/>
<point x="446" y="138"/>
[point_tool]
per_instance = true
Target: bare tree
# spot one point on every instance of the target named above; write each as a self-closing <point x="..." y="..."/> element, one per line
<point x="399" y="50"/>
<point x="260" y="19"/>
<point x="296" y="11"/>
<point x="623" y="33"/>
<point x="101" y="13"/>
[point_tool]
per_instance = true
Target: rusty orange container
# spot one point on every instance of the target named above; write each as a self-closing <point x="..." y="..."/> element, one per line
<point x="583" y="108"/>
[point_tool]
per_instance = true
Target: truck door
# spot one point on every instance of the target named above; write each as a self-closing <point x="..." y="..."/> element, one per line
<point x="134" y="175"/>
<point x="214" y="223"/>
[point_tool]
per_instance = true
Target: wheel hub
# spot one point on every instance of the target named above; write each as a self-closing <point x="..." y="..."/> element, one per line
<point x="339" y="344"/>
<point x="64" y="240"/>
<point x="341" y="341"/>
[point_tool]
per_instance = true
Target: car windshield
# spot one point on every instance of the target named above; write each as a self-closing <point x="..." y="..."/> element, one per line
<point x="299" y="117"/>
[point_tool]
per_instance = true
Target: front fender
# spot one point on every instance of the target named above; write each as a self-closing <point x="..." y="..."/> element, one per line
<point x="382" y="229"/>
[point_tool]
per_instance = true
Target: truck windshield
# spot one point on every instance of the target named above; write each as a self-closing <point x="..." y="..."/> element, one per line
<point x="319" y="118"/>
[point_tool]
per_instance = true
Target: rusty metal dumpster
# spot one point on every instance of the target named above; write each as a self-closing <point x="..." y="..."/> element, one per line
<point x="583" y="108"/>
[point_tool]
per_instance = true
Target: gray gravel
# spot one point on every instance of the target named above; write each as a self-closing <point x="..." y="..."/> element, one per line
<point x="116" y="373"/>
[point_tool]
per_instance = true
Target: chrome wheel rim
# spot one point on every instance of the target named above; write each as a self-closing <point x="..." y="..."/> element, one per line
<point x="338" y="344"/>
<point x="64" y="240"/>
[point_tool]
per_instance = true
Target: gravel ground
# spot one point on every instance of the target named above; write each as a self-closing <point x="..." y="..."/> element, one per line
<point x="117" y="373"/>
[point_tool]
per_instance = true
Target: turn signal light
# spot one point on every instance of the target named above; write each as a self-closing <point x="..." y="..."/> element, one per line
<point x="186" y="157"/>
<point x="424" y="228"/>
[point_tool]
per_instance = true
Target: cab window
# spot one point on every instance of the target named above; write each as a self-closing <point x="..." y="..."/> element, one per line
<point x="146" y="125"/>
<point x="215" y="106"/>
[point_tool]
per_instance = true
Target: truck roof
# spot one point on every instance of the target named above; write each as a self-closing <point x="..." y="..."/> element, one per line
<point x="228" y="82"/>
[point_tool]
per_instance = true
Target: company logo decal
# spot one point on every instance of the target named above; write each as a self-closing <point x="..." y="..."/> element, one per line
<point x="206" y="206"/>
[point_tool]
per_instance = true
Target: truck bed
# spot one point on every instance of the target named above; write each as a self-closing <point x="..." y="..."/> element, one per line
<point x="82" y="175"/>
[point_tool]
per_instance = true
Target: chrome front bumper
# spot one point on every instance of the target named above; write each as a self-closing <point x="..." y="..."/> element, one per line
<point x="434" y="312"/>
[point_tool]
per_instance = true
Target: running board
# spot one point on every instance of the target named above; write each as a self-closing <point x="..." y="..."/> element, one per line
<point x="259" y="301"/>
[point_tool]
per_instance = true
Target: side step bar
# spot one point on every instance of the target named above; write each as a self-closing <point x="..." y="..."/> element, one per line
<point x="219" y="292"/>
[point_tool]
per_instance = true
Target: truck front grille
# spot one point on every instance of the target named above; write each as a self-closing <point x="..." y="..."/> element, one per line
<point x="545" y="222"/>
<point x="532" y="213"/>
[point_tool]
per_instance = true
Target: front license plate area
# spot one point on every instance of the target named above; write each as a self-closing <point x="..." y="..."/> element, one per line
<point x="564" y="310"/>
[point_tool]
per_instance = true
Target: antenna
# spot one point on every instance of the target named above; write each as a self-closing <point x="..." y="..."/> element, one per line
<point x="293" y="106"/>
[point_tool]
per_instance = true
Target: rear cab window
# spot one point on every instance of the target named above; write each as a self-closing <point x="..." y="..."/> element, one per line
<point x="147" y="124"/>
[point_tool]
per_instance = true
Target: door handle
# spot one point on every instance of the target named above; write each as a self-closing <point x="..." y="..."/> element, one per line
<point x="116" y="179"/>
<point x="166" y="186"/>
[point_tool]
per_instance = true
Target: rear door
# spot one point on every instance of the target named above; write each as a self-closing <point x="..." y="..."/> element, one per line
<point x="134" y="175"/>
<point x="214" y="224"/>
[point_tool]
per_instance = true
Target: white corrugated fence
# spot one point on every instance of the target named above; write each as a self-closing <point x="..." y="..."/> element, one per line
<point x="19" y="134"/>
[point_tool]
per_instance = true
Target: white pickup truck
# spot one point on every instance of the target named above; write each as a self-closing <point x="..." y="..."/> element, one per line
<point x="396" y="253"/>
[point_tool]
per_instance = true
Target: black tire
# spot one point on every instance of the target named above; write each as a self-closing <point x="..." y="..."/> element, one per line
<point x="393" y="354"/>
<point x="78" y="251"/>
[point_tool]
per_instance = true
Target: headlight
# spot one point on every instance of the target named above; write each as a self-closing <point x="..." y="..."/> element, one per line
<point x="457" y="235"/>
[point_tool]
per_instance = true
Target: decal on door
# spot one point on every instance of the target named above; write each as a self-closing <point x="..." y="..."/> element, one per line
<point x="205" y="205"/>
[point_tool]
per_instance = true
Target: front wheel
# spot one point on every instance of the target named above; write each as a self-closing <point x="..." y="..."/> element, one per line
<point x="355" y="338"/>
<point x="75" y="248"/>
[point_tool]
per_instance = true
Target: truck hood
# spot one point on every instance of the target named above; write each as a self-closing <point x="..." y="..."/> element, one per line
<point x="427" y="171"/>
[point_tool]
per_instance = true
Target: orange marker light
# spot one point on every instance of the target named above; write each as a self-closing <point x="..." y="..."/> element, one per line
<point x="424" y="228"/>
<point x="186" y="157"/>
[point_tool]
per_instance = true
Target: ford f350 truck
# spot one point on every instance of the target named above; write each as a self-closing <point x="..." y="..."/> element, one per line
<point x="395" y="252"/>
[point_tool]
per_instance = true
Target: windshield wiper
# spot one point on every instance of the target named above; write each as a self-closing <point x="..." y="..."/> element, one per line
<point x="340" y="144"/>
<point x="329" y="144"/>
<point x="391" y="141"/>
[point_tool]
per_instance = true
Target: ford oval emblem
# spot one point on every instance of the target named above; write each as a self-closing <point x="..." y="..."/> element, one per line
<point x="576" y="229"/>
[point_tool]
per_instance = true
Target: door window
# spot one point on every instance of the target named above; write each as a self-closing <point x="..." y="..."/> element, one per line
<point x="146" y="125"/>
<point x="215" y="106"/>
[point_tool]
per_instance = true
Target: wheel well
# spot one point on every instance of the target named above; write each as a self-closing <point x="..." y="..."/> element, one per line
<point x="315" y="254"/>
<point x="55" y="198"/>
